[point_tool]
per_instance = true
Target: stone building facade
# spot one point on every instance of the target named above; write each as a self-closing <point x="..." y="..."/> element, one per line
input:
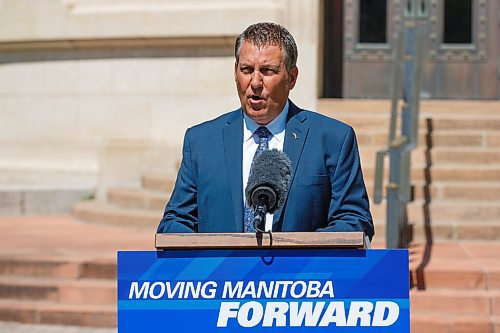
<point x="94" y="93"/>
<point x="97" y="92"/>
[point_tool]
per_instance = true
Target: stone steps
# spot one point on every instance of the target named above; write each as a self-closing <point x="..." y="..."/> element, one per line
<point x="424" y="220"/>
<point x="158" y="182"/>
<point x="473" y="297"/>
<point x="439" y="323"/>
<point x="434" y="123"/>
<point x="451" y="190"/>
<point x="427" y="107"/>
<point x="46" y="200"/>
<point x="55" y="290"/>
<point x="454" y="301"/>
<point x="438" y="191"/>
<point x="444" y="156"/>
<point x="457" y="294"/>
<point x="37" y="174"/>
<point x="452" y="203"/>
<point x="447" y="220"/>
<point x="455" y="285"/>
<point x="50" y="267"/>
<point x="448" y="178"/>
<point x="475" y="192"/>
<point x="466" y="265"/>
<point x="445" y="173"/>
<point x="379" y="138"/>
<point x="139" y="197"/>
<point x="55" y="270"/>
<point x="455" y="168"/>
<point x="453" y="214"/>
<point x="58" y="314"/>
<point x="478" y="305"/>
<point x="45" y="267"/>
<point x="453" y="206"/>
<point x="448" y="227"/>
<point x="105" y="213"/>
<point x="455" y="171"/>
<point x="462" y="155"/>
<point x="44" y="178"/>
<point x="458" y="212"/>
<point x="67" y="291"/>
<point x="422" y="231"/>
<point x="440" y="174"/>
<point x="461" y="220"/>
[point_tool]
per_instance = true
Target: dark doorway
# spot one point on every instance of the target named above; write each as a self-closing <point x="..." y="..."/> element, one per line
<point x="333" y="49"/>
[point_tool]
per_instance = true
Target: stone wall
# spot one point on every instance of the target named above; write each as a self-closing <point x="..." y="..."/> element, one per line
<point x="95" y="92"/>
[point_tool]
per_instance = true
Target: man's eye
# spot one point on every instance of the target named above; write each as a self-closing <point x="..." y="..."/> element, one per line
<point x="268" y="71"/>
<point x="246" y="70"/>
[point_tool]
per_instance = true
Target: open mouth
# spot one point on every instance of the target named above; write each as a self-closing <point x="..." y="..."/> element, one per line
<point x="255" y="98"/>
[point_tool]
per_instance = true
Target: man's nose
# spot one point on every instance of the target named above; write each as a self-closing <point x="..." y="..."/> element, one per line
<point x="256" y="81"/>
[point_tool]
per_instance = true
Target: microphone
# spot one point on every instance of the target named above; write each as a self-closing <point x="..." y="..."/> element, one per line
<point x="267" y="185"/>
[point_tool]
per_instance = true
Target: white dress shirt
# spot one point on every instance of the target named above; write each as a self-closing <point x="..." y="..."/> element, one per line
<point x="251" y="142"/>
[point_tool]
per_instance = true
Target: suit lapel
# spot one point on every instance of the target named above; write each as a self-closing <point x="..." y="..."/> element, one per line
<point x="295" y="138"/>
<point x="233" y="151"/>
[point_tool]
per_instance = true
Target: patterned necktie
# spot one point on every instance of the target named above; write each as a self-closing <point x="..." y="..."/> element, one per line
<point x="264" y="135"/>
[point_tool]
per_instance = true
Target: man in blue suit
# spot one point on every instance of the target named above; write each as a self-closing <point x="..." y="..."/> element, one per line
<point x="326" y="192"/>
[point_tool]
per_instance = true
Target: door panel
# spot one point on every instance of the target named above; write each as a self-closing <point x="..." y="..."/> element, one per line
<point x="458" y="64"/>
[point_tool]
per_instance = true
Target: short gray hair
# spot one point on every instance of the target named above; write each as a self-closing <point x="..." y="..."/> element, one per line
<point x="267" y="33"/>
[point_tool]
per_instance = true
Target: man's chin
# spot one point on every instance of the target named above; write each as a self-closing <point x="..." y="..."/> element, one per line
<point x="259" y="116"/>
<point x="255" y="112"/>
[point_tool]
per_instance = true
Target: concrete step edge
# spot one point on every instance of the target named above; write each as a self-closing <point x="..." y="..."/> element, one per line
<point x="57" y="305"/>
<point x="451" y="292"/>
<point x="58" y="314"/>
<point x="51" y="281"/>
<point x="143" y="198"/>
<point x="67" y="291"/>
<point x="467" y="204"/>
<point x="58" y="267"/>
<point x="107" y="207"/>
<point x="140" y="190"/>
<point x="424" y="116"/>
<point x="108" y="214"/>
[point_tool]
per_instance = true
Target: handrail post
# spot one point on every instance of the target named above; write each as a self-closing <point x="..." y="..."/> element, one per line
<point x="408" y="69"/>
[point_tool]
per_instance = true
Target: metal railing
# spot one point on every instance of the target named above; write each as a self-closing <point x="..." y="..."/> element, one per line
<point x="406" y="81"/>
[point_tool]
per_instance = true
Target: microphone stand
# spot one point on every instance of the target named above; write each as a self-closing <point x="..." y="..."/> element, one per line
<point x="260" y="215"/>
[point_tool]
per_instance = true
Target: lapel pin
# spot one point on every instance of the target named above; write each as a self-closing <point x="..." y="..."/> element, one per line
<point x="295" y="136"/>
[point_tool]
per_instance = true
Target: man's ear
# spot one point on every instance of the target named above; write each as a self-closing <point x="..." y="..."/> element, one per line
<point x="235" y="68"/>
<point x="292" y="77"/>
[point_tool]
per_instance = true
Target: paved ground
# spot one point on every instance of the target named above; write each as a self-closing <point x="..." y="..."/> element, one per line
<point x="24" y="328"/>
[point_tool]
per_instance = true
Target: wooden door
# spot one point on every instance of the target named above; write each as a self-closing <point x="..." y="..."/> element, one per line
<point x="462" y="39"/>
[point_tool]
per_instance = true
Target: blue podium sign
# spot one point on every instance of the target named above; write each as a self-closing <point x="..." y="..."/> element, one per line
<point x="306" y="290"/>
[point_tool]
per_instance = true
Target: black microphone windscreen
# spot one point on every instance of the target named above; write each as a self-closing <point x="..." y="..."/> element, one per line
<point x="271" y="168"/>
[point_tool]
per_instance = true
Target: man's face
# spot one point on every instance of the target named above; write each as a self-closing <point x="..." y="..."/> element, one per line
<point x="263" y="82"/>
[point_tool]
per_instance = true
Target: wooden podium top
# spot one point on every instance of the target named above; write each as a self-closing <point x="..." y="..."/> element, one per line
<point x="351" y="240"/>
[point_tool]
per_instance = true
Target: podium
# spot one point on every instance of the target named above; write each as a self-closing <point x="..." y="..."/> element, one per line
<point x="338" y="240"/>
<point x="284" y="282"/>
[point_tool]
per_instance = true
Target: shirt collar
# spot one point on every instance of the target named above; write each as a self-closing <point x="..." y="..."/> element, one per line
<point x="276" y="126"/>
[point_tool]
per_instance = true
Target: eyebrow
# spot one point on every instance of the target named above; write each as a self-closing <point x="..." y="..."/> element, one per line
<point x="272" y="66"/>
<point x="275" y="67"/>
